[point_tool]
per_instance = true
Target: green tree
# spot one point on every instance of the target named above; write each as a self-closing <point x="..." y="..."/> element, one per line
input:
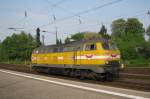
<point x="3" y="55"/>
<point x="83" y="36"/>
<point x="91" y="35"/>
<point x="6" y="48"/>
<point x="133" y="25"/>
<point x="129" y="36"/>
<point x="103" y="33"/>
<point x="144" y="50"/>
<point x="148" y="32"/>
<point x="118" y="28"/>
<point x="17" y="47"/>
<point x="31" y="44"/>
<point x="77" y="36"/>
<point x="67" y="40"/>
<point x="103" y="30"/>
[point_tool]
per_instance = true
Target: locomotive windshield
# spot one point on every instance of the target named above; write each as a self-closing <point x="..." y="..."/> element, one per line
<point x="108" y="46"/>
<point x="90" y="47"/>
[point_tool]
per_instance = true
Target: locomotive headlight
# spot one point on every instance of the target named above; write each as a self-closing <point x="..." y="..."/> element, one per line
<point x="106" y="62"/>
<point x="122" y="66"/>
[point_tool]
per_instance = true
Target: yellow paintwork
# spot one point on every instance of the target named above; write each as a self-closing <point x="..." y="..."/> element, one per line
<point x="68" y="57"/>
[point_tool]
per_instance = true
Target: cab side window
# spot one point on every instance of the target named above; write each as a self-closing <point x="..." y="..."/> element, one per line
<point x="90" y="47"/>
<point x="106" y="46"/>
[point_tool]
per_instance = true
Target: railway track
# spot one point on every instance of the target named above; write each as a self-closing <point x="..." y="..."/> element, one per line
<point x="127" y="80"/>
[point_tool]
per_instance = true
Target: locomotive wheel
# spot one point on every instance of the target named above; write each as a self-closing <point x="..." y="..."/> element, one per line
<point x="82" y="75"/>
<point x="109" y="77"/>
<point x="66" y="72"/>
<point x="49" y="71"/>
<point x="72" y="73"/>
<point x="100" y="77"/>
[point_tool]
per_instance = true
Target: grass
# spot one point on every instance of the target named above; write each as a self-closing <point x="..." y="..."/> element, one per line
<point x="141" y="63"/>
<point x="19" y="62"/>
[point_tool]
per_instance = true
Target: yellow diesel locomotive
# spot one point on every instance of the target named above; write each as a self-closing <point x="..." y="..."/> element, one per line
<point x="97" y="59"/>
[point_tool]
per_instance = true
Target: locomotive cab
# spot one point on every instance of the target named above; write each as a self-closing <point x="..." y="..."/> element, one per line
<point x="104" y="55"/>
<point x="112" y="62"/>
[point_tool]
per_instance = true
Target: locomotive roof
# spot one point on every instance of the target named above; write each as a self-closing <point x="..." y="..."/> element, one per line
<point x="73" y="43"/>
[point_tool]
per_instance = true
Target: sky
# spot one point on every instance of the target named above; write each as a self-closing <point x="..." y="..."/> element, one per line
<point x="67" y="16"/>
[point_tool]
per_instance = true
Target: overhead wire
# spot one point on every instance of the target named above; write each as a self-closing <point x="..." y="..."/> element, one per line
<point x="54" y="18"/>
<point x="143" y="12"/>
<point x="59" y="7"/>
<point x="83" y="12"/>
<point x="57" y="3"/>
<point x="89" y="10"/>
<point x="139" y="13"/>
